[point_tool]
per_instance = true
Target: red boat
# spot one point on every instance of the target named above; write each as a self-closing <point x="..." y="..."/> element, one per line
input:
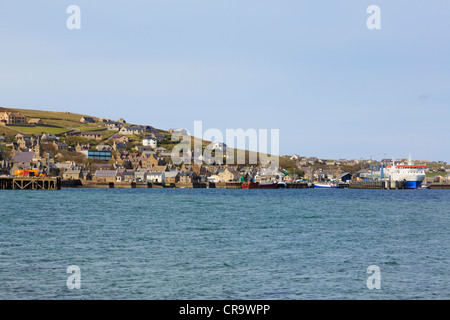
<point x="259" y="185"/>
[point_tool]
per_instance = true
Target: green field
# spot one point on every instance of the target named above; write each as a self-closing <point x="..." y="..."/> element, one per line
<point x="39" y="129"/>
<point x="434" y="174"/>
<point x="51" y="115"/>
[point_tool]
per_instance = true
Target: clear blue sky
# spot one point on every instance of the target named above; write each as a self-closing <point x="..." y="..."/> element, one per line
<point x="311" y="69"/>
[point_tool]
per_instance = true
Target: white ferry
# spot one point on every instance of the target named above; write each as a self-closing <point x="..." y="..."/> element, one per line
<point x="412" y="175"/>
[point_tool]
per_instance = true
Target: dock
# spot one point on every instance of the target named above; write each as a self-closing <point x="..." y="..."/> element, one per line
<point x="30" y="183"/>
<point x="297" y="185"/>
<point x="440" y="186"/>
<point x="386" y="185"/>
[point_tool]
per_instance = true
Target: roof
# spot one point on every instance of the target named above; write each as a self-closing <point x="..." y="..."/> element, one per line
<point x="105" y="173"/>
<point x="166" y="154"/>
<point x="23" y="157"/>
<point x="120" y="144"/>
<point x="126" y="173"/>
<point x="158" y="173"/>
<point x="102" y="165"/>
<point x="158" y="168"/>
<point x="187" y="173"/>
<point x="171" y="174"/>
<point x="62" y="165"/>
<point x="72" y="172"/>
<point x="132" y="128"/>
<point x="343" y="175"/>
<point x="91" y="133"/>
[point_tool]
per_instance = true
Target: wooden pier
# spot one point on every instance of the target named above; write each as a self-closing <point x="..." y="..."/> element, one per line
<point x="30" y="183"/>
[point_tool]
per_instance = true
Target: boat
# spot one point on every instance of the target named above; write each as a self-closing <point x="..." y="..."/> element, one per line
<point x="325" y="185"/>
<point x="281" y="185"/>
<point x="259" y="185"/>
<point x="412" y="175"/>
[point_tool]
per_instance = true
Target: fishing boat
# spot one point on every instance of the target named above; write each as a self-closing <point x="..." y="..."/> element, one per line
<point x="259" y="185"/>
<point x="326" y="185"/>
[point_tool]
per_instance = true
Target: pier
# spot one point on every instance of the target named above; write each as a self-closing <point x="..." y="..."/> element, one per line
<point x="440" y="186"/>
<point x="297" y="185"/>
<point x="386" y="185"/>
<point x="30" y="183"/>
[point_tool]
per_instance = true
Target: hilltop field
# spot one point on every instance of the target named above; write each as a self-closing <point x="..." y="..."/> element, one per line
<point x="53" y="122"/>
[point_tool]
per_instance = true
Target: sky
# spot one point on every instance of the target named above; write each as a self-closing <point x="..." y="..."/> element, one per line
<point x="311" y="69"/>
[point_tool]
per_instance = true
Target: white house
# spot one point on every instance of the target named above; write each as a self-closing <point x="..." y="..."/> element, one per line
<point x="150" y="142"/>
<point x="155" y="177"/>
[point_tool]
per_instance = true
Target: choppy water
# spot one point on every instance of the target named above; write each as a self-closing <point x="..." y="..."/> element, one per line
<point x="224" y="244"/>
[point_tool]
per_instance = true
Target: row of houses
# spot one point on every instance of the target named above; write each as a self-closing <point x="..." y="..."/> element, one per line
<point x="165" y="174"/>
<point x="162" y="177"/>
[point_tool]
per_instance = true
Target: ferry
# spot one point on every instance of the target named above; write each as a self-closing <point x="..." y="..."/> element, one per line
<point x="412" y="175"/>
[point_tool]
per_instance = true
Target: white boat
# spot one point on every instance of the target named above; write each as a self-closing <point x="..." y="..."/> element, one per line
<point x="326" y="185"/>
<point x="412" y="175"/>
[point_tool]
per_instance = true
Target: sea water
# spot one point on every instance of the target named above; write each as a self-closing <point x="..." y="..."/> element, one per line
<point x="289" y="244"/>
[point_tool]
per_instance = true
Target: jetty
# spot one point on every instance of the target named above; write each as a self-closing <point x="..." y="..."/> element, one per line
<point x="298" y="185"/>
<point x="30" y="183"/>
<point x="439" y="186"/>
<point x="386" y="185"/>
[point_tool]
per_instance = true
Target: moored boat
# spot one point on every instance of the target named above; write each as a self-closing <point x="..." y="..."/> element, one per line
<point x="259" y="185"/>
<point x="412" y="175"/>
<point x="325" y="185"/>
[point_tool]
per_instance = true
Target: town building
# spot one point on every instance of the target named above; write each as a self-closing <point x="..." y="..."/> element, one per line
<point x="131" y="130"/>
<point x="95" y="154"/>
<point x="103" y="147"/>
<point x="112" y="125"/>
<point x="120" y="138"/>
<point x="105" y="176"/>
<point x="156" y="177"/>
<point x="118" y="146"/>
<point x="92" y="135"/>
<point x="229" y="175"/>
<point x="150" y="142"/>
<point x="87" y="120"/>
<point x="172" y="177"/>
<point x="60" y="145"/>
<point x="188" y="177"/>
<point x="72" y="174"/>
<point x="344" y="177"/>
<point x="12" y="118"/>
<point x="125" y="176"/>
<point x="35" y="121"/>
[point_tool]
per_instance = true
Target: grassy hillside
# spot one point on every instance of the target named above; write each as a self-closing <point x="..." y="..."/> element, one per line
<point x="61" y="122"/>
<point x="53" y="122"/>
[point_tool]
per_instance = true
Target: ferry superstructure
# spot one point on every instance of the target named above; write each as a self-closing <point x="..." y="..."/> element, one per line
<point x="412" y="175"/>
